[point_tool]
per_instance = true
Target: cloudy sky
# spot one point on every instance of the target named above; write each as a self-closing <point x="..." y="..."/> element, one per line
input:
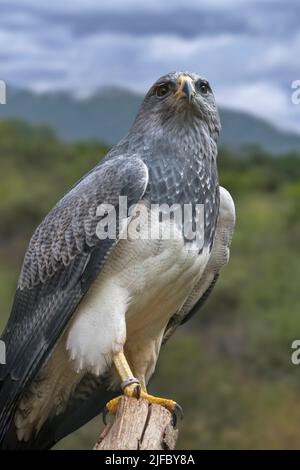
<point x="248" y="49"/>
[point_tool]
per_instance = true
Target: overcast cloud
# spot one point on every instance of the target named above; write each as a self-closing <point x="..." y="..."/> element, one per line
<point x="249" y="50"/>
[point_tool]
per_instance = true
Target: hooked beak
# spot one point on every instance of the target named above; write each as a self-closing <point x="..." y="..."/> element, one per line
<point x="186" y="88"/>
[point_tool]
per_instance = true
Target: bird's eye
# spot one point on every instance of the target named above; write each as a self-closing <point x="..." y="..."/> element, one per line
<point x="162" y="90"/>
<point x="203" y="87"/>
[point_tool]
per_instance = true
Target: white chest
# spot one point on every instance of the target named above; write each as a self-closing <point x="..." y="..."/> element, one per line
<point x="143" y="283"/>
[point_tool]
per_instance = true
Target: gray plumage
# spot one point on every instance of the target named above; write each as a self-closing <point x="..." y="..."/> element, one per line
<point x="168" y="156"/>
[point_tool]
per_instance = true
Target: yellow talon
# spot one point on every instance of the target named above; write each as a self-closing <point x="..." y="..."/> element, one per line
<point x="112" y="405"/>
<point x="170" y="405"/>
<point x="133" y="387"/>
<point x="131" y="391"/>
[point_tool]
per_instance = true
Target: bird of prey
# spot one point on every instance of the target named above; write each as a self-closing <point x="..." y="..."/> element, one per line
<point x="90" y="313"/>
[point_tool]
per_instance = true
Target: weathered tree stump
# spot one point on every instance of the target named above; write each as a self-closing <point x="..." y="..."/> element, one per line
<point x="138" y="426"/>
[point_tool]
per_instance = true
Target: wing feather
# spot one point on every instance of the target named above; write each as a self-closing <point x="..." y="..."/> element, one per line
<point x="63" y="259"/>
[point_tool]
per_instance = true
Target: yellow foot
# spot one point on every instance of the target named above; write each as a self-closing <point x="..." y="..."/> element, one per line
<point x="135" y="391"/>
<point x="170" y="405"/>
<point x="130" y="391"/>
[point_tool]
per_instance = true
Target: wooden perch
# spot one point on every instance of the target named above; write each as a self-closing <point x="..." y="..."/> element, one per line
<point x="138" y="426"/>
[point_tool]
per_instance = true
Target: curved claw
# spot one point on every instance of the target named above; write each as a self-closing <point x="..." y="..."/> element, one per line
<point x="104" y="415"/>
<point x="138" y="390"/>
<point x="178" y="411"/>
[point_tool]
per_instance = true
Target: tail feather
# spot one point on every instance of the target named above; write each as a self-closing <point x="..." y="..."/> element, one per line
<point x="88" y="401"/>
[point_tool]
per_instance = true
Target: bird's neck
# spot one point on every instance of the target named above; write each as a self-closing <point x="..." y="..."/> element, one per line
<point x="179" y="163"/>
<point x="177" y="138"/>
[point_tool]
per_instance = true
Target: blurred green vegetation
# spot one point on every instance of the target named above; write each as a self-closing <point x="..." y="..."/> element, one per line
<point x="230" y="366"/>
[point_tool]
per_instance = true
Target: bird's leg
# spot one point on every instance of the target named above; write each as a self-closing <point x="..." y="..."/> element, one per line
<point x="133" y="387"/>
<point x="130" y="385"/>
<point x="170" y="405"/>
<point x="142" y="381"/>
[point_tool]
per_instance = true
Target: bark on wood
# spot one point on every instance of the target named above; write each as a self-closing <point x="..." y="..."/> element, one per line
<point x="138" y="426"/>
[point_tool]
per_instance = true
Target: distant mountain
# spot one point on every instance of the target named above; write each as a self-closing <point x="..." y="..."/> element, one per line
<point x="240" y="128"/>
<point x="107" y="116"/>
